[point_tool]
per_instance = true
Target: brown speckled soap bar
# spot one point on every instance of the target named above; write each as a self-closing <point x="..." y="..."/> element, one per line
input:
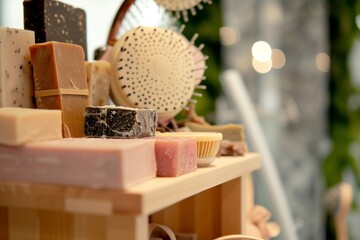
<point x="55" y="21"/>
<point x="60" y="82"/>
<point x="16" y="81"/>
<point x="119" y="122"/>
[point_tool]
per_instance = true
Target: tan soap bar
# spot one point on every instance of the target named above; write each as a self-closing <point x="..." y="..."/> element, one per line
<point x="60" y="82"/>
<point x="98" y="78"/>
<point x="16" y="80"/>
<point x="231" y="132"/>
<point x="22" y="125"/>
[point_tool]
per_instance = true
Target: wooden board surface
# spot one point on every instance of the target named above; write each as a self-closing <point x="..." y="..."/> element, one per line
<point x="144" y="198"/>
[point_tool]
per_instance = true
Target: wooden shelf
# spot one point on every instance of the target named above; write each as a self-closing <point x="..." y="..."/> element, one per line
<point x="140" y="201"/>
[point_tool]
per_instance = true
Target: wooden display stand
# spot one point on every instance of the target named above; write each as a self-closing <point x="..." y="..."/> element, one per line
<point x="208" y="202"/>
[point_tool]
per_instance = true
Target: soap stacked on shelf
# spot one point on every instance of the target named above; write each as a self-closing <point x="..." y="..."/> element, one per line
<point x="174" y="156"/>
<point x="32" y="150"/>
<point x="55" y="122"/>
<point x="32" y="143"/>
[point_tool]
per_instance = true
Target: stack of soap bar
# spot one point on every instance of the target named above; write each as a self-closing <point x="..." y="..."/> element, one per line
<point x="16" y="81"/>
<point x="87" y="162"/>
<point x="98" y="79"/>
<point x="22" y="125"/>
<point x="55" y="21"/>
<point x="119" y="122"/>
<point x="60" y="82"/>
<point x="175" y="156"/>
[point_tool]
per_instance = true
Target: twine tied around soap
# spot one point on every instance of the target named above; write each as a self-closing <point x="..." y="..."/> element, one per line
<point x="61" y="91"/>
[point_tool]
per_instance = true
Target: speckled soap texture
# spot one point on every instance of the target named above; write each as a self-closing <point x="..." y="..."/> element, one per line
<point x="16" y="81"/>
<point x="98" y="79"/>
<point x="119" y="122"/>
<point x="55" y="21"/>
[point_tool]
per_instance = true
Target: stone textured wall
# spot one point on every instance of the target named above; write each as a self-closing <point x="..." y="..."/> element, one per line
<point x="292" y="101"/>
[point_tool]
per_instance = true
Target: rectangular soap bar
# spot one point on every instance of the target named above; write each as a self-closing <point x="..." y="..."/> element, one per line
<point x="175" y="156"/>
<point x="60" y="82"/>
<point x="231" y="132"/>
<point x="55" y="21"/>
<point x="85" y="162"/>
<point x="16" y="80"/>
<point x="98" y="78"/>
<point x="119" y="122"/>
<point x="23" y="125"/>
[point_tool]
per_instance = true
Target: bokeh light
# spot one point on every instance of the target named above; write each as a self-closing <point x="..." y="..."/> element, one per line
<point x="278" y="58"/>
<point x="322" y="62"/>
<point x="228" y="36"/>
<point x="260" y="66"/>
<point x="357" y="21"/>
<point x="261" y="51"/>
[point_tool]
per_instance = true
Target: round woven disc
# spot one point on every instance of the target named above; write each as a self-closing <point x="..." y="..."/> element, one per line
<point x="153" y="68"/>
<point x="178" y="5"/>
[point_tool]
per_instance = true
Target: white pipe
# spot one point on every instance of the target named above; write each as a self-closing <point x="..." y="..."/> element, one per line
<point x="235" y="90"/>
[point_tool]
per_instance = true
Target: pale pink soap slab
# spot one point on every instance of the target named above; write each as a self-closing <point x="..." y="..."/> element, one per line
<point x="175" y="156"/>
<point x="87" y="162"/>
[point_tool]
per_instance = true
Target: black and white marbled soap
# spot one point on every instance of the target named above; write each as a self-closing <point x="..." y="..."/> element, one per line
<point x="119" y="122"/>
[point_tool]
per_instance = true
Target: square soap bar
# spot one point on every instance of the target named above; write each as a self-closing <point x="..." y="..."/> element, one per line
<point x="16" y="79"/>
<point x="60" y="82"/>
<point x="84" y="162"/>
<point x="119" y="122"/>
<point x="23" y="125"/>
<point x="175" y="156"/>
<point x="55" y="21"/>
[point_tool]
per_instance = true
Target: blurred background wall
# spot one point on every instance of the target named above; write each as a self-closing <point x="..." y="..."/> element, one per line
<point x="290" y="92"/>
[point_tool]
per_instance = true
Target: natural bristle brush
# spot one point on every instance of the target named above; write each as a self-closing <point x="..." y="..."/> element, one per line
<point x="338" y="201"/>
<point x="155" y="68"/>
<point x="180" y="7"/>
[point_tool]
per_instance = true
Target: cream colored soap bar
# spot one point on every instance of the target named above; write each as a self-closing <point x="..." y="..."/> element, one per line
<point x="23" y="125"/>
<point x="98" y="79"/>
<point x="16" y="81"/>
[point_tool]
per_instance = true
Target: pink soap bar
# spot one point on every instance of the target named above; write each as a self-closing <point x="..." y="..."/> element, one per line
<point x="87" y="162"/>
<point x="175" y="156"/>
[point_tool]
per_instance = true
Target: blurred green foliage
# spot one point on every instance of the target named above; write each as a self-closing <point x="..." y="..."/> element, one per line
<point x="344" y="122"/>
<point x="207" y="23"/>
